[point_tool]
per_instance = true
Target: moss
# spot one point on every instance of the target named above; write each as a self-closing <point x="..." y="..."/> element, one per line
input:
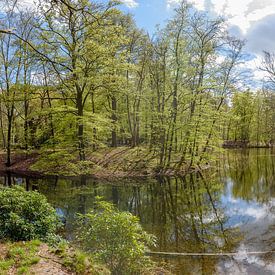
<point x="62" y="163"/>
<point x="78" y="261"/>
<point x="5" y="265"/>
<point x="20" y="256"/>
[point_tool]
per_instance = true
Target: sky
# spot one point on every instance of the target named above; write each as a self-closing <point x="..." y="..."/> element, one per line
<point x="251" y="20"/>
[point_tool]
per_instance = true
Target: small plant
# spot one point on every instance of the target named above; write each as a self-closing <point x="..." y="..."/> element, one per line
<point x="26" y="215"/>
<point x="115" y="238"/>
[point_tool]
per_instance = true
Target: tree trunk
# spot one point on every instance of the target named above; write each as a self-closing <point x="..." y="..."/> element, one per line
<point x="114" y="120"/>
<point x="80" y="126"/>
<point x="2" y="127"/>
<point x="8" y="161"/>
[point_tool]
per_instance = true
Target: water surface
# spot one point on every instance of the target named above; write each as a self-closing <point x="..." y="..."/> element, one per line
<point x="228" y="209"/>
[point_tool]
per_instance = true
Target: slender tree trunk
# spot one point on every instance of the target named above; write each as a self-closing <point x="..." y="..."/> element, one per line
<point x="8" y="160"/>
<point x="2" y="127"/>
<point x="94" y="129"/>
<point x="114" y="121"/>
<point x="80" y="126"/>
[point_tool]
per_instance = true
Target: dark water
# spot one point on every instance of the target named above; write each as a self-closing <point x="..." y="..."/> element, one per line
<point x="231" y="209"/>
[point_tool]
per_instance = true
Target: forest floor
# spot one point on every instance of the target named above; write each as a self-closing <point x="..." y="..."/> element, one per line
<point x="30" y="258"/>
<point x="21" y="163"/>
<point x="34" y="257"/>
<point x="106" y="163"/>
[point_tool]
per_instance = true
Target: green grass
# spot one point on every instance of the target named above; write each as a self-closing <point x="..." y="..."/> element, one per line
<point x="78" y="261"/>
<point x="21" y="255"/>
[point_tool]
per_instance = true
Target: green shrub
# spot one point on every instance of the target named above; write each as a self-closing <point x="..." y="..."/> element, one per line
<point x="114" y="238"/>
<point x="25" y="215"/>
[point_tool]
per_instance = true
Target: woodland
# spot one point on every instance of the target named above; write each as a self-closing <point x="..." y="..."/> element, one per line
<point x="86" y="95"/>
<point x="81" y="85"/>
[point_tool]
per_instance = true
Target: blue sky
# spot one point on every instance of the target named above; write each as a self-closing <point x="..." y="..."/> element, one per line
<point x="250" y="20"/>
<point x="150" y="13"/>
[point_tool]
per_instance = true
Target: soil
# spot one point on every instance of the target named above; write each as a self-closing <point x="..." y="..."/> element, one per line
<point x="20" y="163"/>
<point x="49" y="263"/>
<point x="114" y="164"/>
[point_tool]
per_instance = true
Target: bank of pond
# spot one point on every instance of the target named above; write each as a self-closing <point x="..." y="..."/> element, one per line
<point x="219" y="221"/>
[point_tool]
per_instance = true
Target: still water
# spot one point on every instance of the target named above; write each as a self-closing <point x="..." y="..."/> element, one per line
<point x="228" y="209"/>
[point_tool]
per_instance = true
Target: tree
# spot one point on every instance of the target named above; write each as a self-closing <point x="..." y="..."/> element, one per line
<point x="70" y="32"/>
<point x="15" y="64"/>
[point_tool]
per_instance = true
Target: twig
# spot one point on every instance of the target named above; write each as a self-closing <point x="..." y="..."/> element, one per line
<point x="176" y="254"/>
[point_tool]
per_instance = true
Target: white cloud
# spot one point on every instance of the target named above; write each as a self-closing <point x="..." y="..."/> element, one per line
<point x="130" y="3"/>
<point x="199" y="4"/>
<point x="171" y="3"/>
<point x="252" y="20"/>
<point x="28" y="3"/>
<point x="241" y="13"/>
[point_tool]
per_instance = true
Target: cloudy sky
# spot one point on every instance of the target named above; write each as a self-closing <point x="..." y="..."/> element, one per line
<point x="252" y="20"/>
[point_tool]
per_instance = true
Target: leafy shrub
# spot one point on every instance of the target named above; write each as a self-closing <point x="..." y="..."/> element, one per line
<point x="25" y="215"/>
<point x="115" y="238"/>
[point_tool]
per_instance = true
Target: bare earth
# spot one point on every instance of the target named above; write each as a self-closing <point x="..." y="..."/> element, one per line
<point x="49" y="264"/>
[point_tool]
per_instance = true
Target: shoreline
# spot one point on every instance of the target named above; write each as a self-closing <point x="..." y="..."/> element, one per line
<point x="22" y="162"/>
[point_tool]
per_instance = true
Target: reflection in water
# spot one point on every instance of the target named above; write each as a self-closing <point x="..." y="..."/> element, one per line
<point x="230" y="211"/>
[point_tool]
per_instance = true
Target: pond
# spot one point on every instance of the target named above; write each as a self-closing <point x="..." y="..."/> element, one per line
<point x="227" y="209"/>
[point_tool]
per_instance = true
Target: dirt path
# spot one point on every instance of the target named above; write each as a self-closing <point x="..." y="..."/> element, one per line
<point x="49" y="263"/>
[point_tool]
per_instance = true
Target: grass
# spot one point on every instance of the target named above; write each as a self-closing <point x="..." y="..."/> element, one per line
<point x="78" y="261"/>
<point x="21" y="256"/>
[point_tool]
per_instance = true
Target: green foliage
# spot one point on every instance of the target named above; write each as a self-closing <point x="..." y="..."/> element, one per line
<point x="251" y="118"/>
<point x="117" y="86"/>
<point x="84" y="167"/>
<point x="53" y="161"/>
<point x="115" y="238"/>
<point x="62" y="162"/>
<point x="25" y="215"/>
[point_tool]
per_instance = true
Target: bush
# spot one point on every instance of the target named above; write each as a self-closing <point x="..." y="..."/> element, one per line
<point x="26" y="215"/>
<point x="115" y="238"/>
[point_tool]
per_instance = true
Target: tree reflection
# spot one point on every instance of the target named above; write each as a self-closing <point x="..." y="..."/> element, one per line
<point x="252" y="173"/>
<point x="184" y="212"/>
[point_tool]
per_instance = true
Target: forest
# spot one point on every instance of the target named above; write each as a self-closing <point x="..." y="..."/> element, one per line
<point x="79" y="79"/>
<point x="124" y="151"/>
